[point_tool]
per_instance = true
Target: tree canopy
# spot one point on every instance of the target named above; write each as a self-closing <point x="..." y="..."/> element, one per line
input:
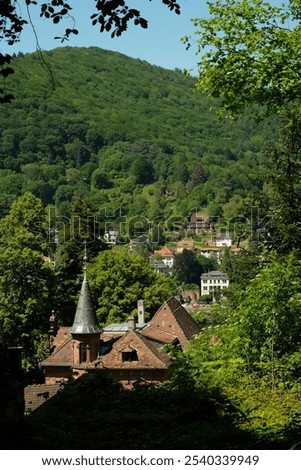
<point x="119" y="279"/>
<point x="26" y="280"/>
<point x="189" y="265"/>
<point x="250" y="54"/>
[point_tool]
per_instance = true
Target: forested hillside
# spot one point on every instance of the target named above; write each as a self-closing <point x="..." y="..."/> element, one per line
<point x="129" y="135"/>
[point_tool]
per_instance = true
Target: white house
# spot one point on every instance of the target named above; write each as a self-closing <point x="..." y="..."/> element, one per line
<point x="211" y="252"/>
<point x="111" y="237"/>
<point x="214" y="282"/>
<point x="223" y="240"/>
<point x="166" y="256"/>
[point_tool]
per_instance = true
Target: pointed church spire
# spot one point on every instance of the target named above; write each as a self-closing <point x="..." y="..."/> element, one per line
<point x="85" y="320"/>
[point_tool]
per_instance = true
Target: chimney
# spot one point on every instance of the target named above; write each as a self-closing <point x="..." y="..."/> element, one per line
<point x="131" y="323"/>
<point x="51" y="333"/>
<point x="141" y="315"/>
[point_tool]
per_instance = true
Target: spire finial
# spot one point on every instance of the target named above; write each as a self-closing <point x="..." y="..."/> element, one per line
<point x="85" y="259"/>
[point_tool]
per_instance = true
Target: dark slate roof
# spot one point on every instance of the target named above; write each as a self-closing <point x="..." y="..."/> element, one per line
<point x="215" y="275"/>
<point x="85" y="321"/>
<point x="121" y="328"/>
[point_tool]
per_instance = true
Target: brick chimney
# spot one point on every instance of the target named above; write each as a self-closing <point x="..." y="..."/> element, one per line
<point x="51" y="333"/>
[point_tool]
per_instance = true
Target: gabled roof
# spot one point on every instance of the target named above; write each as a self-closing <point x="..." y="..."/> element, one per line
<point x="174" y="319"/>
<point x="199" y="216"/>
<point x="62" y="355"/>
<point x="85" y="321"/>
<point x="149" y="354"/>
<point x="164" y="252"/>
<point x="155" y="349"/>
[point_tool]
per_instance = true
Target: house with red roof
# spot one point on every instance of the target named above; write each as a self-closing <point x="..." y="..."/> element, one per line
<point x="199" y="223"/>
<point x="186" y="244"/>
<point x="131" y="352"/>
<point x="166" y="256"/>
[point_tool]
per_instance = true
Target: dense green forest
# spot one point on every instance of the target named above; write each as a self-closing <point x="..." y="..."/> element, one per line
<point x="132" y="137"/>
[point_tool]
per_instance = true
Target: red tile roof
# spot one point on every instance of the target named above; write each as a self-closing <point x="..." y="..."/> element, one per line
<point x="173" y="318"/>
<point x="158" y="335"/>
<point x="156" y="350"/>
<point x="62" y="355"/>
<point x="201" y="216"/>
<point x="164" y="252"/>
<point x="149" y="353"/>
<point x="35" y="395"/>
<point x="171" y="324"/>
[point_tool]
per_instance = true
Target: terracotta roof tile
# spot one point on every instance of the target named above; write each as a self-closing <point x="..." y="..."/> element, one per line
<point x="148" y="351"/>
<point x="183" y="318"/>
<point x="35" y="395"/>
<point x="199" y="216"/>
<point x="158" y="335"/>
<point x="156" y="350"/>
<point x="62" y="355"/>
<point x="185" y="244"/>
<point x="173" y="318"/>
<point x="164" y="252"/>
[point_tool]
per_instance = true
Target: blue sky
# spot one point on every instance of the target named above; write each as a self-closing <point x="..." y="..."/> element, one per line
<point x="160" y="44"/>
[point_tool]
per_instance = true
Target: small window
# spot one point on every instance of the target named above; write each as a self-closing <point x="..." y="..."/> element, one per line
<point x="83" y="352"/>
<point x="129" y="356"/>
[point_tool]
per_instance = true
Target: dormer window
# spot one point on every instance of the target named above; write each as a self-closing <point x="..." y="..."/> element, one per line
<point x="129" y="356"/>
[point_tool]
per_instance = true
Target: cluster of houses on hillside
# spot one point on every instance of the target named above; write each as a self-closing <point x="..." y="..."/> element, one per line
<point x="163" y="258"/>
<point x="199" y="224"/>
